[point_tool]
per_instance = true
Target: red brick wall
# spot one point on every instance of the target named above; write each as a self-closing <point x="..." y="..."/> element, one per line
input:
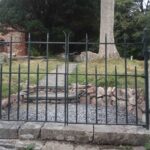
<point x="19" y="46"/>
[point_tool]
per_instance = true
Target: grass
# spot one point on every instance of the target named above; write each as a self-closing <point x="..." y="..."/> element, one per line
<point x="147" y="146"/>
<point x="91" y="78"/>
<point x="99" y="65"/>
<point x="24" y="76"/>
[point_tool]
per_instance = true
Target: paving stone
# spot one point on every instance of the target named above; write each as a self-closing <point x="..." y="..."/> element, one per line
<point x="121" y="135"/>
<point x="9" y="129"/>
<point x="35" y="145"/>
<point x="3" y="148"/>
<point x="139" y="148"/>
<point x="57" y="146"/>
<point x="86" y="147"/>
<point x="30" y="130"/>
<point x="72" y="133"/>
<point x="7" y="143"/>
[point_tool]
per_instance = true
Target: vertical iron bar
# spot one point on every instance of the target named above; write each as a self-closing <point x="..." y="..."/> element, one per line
<point x="96" y="85"/>
<point x="126" y="79"/>
<point x="56" y="93"/>
<point x="106" y="78"/>
<point x="65" y="80"/>
<point x="77" y="94"/>
<point x="28" y="76"/>
<point x="47" y="73"/>
<point x="136" y="97"/>
<point x="86" y="77"/>
<point x="37" y="92"/>
<point x="116" y="93"/>
<point x="146" y="57"/>
<point x="68" y="75"/>
<point x="10" y="79"/>
<point x="1" y="86"/>
<point x="18" y="102"/>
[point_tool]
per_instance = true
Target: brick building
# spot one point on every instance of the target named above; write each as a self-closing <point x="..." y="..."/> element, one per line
<point x="18" y="41"/>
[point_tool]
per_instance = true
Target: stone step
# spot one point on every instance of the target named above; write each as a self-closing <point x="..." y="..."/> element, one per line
<point x="81" y="134"/>
<point x="60" y="98"/>
<point x="57" y="145"/>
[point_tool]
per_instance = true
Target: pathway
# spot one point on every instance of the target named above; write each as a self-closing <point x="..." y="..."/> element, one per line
<point x="61" y="76"/>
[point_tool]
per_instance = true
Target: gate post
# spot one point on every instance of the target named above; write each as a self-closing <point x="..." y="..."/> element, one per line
<point x="147" y="74"/>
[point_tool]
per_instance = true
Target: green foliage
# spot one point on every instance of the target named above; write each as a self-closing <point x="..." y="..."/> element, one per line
<point x="30" y="147"/>
<point x="12" y="12"/>
<point x="130" y="20"/>
<point x="147" y="146"/>
<point x="77" y="16"/>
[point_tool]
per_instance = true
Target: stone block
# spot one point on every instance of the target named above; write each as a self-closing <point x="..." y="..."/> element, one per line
<point x="121" y="135"/>
<point x="71" y="133"/>
<point x="23" y="145"/>
<point x="30" y="130"/>
<point x="9" y="129"/>
<point x="138" y="148"/>
<point x="8" y="143"/>
<point x="57" y="146"/>
<point x="86" y="147"/>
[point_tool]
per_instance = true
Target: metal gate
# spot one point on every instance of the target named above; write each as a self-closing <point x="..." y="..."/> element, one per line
<point x="92" y="91"/>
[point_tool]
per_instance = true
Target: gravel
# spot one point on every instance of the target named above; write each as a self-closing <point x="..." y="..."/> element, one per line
<point x="72" y="111"/>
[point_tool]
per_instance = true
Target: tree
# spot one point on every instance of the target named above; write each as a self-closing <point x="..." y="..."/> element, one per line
<point x="107" y="29"/>
<point x="131" y="17"/>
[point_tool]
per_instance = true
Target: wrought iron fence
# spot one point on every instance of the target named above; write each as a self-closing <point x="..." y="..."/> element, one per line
<point x="85" y="97"/>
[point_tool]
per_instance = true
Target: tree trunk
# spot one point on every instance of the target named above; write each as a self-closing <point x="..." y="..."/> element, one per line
<point x="107" y="29"/>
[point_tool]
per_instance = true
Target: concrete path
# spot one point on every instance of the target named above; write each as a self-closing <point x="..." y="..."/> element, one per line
<point x="61" y="77"/>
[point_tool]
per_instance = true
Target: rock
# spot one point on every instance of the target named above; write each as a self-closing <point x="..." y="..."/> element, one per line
<point x="140" y="114"/>
<point x="139" y="148"/>
<point x="142" y="106"/>
<point x="131" y="92"/>
<point x="4" y="103"/>
<point x="131" y="109"/>
<point x="3" y="57"/>
<point x="13" y="98"/>
<point x="140" y="100"/>
<point x="83" y="100"/>
<point x="30" y="128"/>
<point x="86" y="147"/>
<point x="113" y="98"/>
<point x="82" y="57"/>
<point x="132" y="100"/>
<point x="120" y="135"/>
<point x="71" y="133"/>
<point x="3" y="148"/>
<point x="91" y="90"/>
<point x="100" y="102"/>
<point x="26" y="137"/>
<point x="144" y="117"/>
<point x="9" y="130"/>
<point x="121" y="103"/>
<point x="22" y="145"/>
<point x="57" y="146"/>
<point x="93" y="101"/>
<point x="8" y="144"/>
<point x="100" y="91"/>
<point x="110" y="102"/>
<point x="109" y="91"/>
